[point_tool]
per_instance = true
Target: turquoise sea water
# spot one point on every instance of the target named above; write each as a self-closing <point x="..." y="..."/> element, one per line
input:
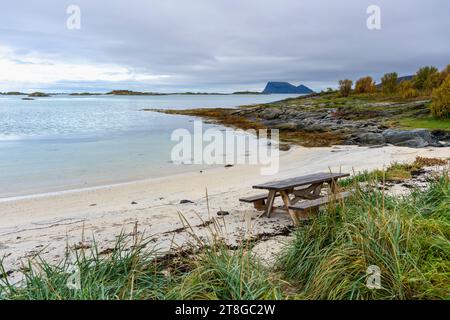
<point x="67" y="142"/>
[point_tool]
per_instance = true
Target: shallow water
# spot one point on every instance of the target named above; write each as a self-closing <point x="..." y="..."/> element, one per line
<point x="66" y="142"/>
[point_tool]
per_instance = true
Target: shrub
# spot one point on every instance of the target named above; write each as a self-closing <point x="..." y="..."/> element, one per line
<point x="389" y="82"/>
<point x="365" y="85"/>
<point x="445" y="73"/>
<point x="345" y="87"/>
<point x="426" y="79"/>
<point x="440" y="106"/>
<point x="406" y="89"/>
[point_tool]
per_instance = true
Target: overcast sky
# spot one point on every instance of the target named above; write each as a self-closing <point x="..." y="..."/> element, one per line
<point x="214" y="45"/>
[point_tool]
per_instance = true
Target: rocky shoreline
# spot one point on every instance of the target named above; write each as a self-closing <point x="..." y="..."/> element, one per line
<point x="310" y="123"/>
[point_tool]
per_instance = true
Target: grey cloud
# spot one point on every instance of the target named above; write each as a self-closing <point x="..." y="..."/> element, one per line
<point x="228" y="44"/>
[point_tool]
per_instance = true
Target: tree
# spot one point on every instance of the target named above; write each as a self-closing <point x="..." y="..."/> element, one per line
<point x="389" y="82"/>
<point x="445" y="73"/>
<point x="426" y="79"/>
<point x="345" y="87"/>
<point x="365" y="85"/>
<point x="406" y="89"/>
<point x="440" y="105"/>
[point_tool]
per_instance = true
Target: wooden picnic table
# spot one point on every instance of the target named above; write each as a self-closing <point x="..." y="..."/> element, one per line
<point x="305" y="187"/>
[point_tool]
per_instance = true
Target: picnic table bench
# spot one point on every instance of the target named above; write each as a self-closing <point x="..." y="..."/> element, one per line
<point x="306" y="189"/>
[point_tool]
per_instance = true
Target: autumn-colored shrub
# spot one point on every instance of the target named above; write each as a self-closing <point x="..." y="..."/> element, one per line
<point x="440" y="106"/>
<point x="365" y="85"/>
<point x="389" y="82"/>
<point x="427" y="79"/>
<point x="406" y="90"/>
<point x="445" y="73"/>
<point x="345" y="87"/>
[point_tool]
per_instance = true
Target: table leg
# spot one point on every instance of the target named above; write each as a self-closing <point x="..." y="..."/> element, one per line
<point x="269" y="203"/>
<point x="287" y="203"/>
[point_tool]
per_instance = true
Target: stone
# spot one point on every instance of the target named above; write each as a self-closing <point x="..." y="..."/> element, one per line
<point x="287" y="126"/>
<point x="270" y="114"/>
<point x="417" y="138"/>
<point x="370" y="138"/>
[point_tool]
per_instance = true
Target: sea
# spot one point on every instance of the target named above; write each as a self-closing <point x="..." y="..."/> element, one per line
<point x="63" y="142"/>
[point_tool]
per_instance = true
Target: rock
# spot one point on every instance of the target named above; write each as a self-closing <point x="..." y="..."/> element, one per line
<point x="315" y="127"/>
<point x="134" y="202"/>
<point x="287" y="126"/>
<point x="370" y="138"/>
<point x="441" y="135"/>
<point x="186" y="201"/>
<point x="417" y="138"/>
<point x="270" y="113"/>
<point x="223" y="213"/>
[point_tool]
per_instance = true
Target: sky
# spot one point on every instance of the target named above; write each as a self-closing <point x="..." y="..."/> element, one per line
<point x="214" y="45"/>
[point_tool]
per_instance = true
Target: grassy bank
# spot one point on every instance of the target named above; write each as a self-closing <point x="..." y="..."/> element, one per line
<point x="406" y="238"/>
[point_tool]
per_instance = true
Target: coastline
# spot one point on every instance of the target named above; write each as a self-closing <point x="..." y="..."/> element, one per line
<point x="46" y="224"/>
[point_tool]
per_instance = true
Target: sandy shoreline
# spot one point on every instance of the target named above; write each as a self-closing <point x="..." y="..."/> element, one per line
<point x="45" y="224"/>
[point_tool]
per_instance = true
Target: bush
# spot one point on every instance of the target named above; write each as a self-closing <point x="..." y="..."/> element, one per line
<point x="440" y="106"/>
<point x="406" y="90"/>
<point x="427" y="79"/>
<point x="365" y="85"/>
<point x="389" y="82"/>
<point x="445" y="73"/>
<point x="345" y="87"/>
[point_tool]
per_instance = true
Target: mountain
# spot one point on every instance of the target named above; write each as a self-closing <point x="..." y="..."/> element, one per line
<point x="285" y="87"/>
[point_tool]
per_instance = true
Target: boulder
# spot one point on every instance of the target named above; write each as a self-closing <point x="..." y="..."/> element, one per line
<point x="370" y="138"/>
<point x="417" y="138"/>
<point x="270" y="114"/>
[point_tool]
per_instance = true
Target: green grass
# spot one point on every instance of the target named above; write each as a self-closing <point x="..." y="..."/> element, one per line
<point x="425" y="123"/>
<point x="407" y="238"/>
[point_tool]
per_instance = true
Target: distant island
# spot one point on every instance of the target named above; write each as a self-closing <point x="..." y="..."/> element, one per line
<point x="247" y="92"/>
<point x="285" y="87"/>
<point x="38" y="94"/>
<point x="133" y="93"/>
<point x="271" y="88"/>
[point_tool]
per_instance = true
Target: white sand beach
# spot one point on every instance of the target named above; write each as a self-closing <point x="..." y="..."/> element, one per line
<point x="46" y="224"/>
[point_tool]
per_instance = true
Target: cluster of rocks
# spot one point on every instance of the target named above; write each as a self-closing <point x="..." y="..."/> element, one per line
<point x="418" y="138"/>
<point x="365" y="132"/>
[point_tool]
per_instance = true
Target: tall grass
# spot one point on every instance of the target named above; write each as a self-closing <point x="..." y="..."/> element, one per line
<point x="408" y="239"/>
<point x="127" y="272"/>
<point x="220" y="273"/>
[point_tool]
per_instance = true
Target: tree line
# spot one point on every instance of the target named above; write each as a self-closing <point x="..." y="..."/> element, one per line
<point x="428" y="81"/>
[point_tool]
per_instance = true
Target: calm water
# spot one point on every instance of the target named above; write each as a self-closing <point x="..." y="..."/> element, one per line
<point x="66" y="142"/>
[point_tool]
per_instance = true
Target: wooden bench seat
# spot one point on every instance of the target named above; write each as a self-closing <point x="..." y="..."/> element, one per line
<point x="254" y="198"/>
<point x="313" y="204"/>
<point x="259" y="200"/>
